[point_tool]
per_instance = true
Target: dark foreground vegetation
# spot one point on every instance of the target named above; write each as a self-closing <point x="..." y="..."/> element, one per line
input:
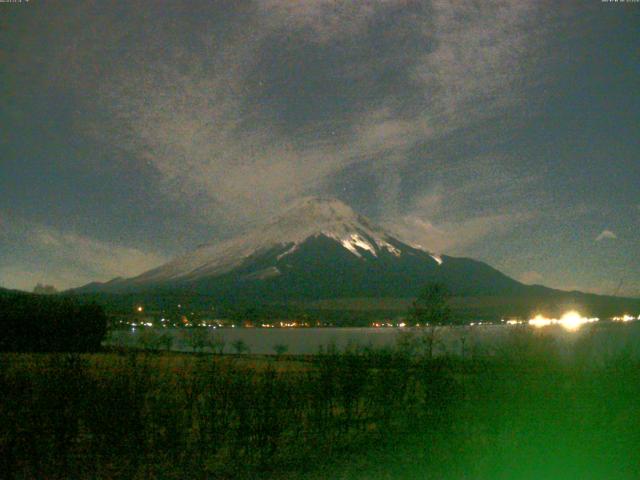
<point x="39" y="323"/>
<point x="521" y="413"/>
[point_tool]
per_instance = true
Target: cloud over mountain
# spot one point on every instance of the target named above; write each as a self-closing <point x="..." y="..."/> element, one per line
<point x="71" y="258"/>
<point x="160" y="125"/>
<point x="266" y="102"/>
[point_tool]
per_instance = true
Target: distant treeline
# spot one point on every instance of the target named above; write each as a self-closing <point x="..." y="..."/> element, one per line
<point x="356" y="312"/>
<point x="37" y="323"/>
<point x="208" y="306"/>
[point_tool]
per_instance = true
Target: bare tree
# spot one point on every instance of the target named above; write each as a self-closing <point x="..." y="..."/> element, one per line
<point x="197" y="338"/>
<point x="280" y="349"/>
<point x="431" y="310"/>
<point x="149" y="338"/>
<point x="240" y="346"/>
<point x="218" y="344"/>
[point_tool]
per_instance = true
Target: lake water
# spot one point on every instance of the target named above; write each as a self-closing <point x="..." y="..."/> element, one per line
<point x="599" y="340"/>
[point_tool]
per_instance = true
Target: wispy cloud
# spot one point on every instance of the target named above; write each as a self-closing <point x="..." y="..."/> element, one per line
<point x="343" y="83"/>
<point x="455" y="237"/>
<point x="241" y="107"/>
<point x="44" y="254"/>
<point x="531" y="277"/>
<point x="467" y="203"/>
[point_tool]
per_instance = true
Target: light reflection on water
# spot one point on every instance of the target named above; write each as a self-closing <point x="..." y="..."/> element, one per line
<point x="600" y="340"/>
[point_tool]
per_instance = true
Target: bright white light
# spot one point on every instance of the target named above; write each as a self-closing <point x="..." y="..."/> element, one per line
<point x="624" y="318"/>
<point x="570" y="321"/>
<point x="539" y="321"/>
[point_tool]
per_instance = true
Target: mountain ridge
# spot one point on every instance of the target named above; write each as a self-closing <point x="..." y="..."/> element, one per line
<point x="321" y="249"/>
<point x="308" y="218"/>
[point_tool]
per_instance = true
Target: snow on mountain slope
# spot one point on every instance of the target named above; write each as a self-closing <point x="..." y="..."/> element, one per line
<point x="310" y="217"/>
<point x="321" y="249"/>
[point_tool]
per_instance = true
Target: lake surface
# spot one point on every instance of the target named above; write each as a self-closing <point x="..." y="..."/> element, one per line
<point x="598" y="340"/>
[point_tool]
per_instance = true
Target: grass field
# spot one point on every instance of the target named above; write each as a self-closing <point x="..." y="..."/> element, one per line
<point x="361" y="414"/>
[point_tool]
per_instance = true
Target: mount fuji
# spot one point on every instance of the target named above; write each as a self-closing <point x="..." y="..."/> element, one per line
<point x="320" y="249"/>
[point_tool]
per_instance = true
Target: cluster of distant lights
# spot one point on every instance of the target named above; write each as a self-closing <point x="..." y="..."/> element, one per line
<point x="286" y="325"/>
<point x="387" y="324"/>
<point x="570" y="321"/>
<point x="184" y="321"/>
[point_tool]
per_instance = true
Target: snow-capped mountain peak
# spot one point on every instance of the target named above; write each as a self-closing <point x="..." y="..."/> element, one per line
<point x="307" y="218"/>
<point x="321" y="249"/>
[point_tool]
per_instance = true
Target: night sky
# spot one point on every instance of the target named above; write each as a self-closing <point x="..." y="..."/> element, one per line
<point x="503" y="131"/>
